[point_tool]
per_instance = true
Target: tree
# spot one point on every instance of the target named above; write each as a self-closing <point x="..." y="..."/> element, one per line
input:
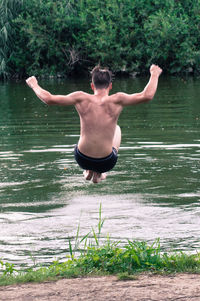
<point x="8" y="11"/>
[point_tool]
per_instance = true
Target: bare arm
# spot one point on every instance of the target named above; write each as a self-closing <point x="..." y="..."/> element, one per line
<point x="147" y="94"/>
<point x="50" y="99"/>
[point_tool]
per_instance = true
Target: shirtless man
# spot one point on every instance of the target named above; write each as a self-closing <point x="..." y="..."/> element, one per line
<point x="100" y="136"/>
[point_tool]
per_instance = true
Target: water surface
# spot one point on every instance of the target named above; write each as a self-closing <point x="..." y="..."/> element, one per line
<point x="153" y="191"/>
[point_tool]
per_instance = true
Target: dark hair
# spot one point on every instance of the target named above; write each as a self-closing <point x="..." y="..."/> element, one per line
<point x="101" y="78"/>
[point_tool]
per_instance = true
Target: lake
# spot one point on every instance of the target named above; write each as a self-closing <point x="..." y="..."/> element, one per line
<point x="153" y="192"/>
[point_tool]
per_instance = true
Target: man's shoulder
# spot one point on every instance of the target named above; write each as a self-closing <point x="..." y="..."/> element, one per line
<point x="115" y="98"/>
<point x="80" y="95"/>
<point x="86" y="95"/>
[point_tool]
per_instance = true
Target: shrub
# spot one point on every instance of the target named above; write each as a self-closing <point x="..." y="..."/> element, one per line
<point x="68" y="36"/>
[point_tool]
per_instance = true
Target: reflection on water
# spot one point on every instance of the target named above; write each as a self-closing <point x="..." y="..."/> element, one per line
<point x="153" y="191"/>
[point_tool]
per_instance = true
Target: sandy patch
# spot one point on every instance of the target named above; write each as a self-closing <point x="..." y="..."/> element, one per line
<point x="145" y="288"/>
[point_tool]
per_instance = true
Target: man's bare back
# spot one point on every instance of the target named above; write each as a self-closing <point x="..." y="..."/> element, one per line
<point x="99" y="113"/>
<point x="98" y="116"/>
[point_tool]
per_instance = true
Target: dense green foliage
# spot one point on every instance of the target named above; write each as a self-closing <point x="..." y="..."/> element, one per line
<point x="67" y="36"/>
<point x="9" y="10"/>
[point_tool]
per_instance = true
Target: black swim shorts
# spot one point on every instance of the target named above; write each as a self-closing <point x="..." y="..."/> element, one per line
<point x="96" y="164"/>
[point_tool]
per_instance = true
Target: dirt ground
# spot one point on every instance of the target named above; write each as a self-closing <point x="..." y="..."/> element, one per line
<point x="145" y="288"/>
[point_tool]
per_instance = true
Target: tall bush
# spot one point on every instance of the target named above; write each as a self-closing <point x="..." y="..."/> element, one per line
<point x="69" y="36"/>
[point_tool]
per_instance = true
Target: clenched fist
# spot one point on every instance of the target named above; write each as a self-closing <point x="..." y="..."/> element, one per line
<point x="155" y="70"/>
<point x="32" y="82"/>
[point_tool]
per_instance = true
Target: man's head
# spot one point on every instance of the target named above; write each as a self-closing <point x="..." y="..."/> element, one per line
<point x="101" y="78"/>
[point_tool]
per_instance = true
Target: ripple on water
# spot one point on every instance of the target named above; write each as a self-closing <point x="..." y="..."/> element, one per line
<point x="131" y="216"/>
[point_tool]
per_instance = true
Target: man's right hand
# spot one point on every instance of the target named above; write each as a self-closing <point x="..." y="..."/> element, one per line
<point x="155" y="70"/>
<point x="32" y="82"/>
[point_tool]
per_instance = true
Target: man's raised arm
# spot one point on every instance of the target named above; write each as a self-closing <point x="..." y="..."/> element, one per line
<point x="50" y="99"/>
<point x="146" y="95"/>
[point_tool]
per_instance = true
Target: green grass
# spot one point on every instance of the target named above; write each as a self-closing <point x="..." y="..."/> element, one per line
<point x="107" y="259"/>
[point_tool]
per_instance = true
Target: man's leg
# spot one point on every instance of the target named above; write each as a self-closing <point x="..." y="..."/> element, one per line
<point x="97" y="177"/>
<point x="117" y="138"/>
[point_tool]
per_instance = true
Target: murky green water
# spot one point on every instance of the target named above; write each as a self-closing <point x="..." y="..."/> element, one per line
<point x="154" y="191"/>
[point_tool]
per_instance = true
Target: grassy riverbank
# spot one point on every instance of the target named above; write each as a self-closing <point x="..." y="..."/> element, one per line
<point x="109" y="258"/>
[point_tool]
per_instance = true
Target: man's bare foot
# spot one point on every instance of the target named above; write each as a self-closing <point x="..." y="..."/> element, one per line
<point x="103" y="176"/>
<point x="95" y="176"/>
<point x="98" y="177"/>
<point x="88" y="174"/>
